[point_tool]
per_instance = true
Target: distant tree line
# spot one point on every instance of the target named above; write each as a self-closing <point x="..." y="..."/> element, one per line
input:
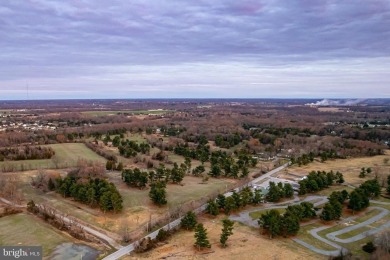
<point x="26" y="153"/>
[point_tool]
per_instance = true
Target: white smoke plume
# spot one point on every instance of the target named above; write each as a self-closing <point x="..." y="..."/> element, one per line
<point x="339" y="102"/>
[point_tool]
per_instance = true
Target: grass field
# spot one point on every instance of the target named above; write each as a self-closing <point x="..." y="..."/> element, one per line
<point x="305" y="236"/>
<point x="349" y="167"/>
<point x="24" y="229"/>
<point x="245" y="243"/>
<point x="136" y="203"/>
<point x="257" y="214"/>
<point x="66" y="155"/>
<point x="134" y="112"/>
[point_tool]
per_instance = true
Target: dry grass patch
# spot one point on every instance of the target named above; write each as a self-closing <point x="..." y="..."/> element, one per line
<point x="349" y="167"/>
<point x="245" y="243"/>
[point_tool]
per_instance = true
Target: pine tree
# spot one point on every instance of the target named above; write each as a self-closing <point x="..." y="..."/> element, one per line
<point x="221" y="200"/>
<point x="212" y="208"/>
<point x="227" y="231"/>
<point x="201" y="240"/>
<point x="230" y="205"/>
<point x="189" y="221"/>
<point x="258" y="197"/>
<point x="157" y="193"/>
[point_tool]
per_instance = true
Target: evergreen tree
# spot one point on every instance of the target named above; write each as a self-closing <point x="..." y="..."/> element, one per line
<point x="227" y="230"/>
<point x="157" y="193"/>
<point x="288" y="190"/>
<point x="308" y="210"/>
<point x="246" y="196"/>
<point x="274" y="194"/>
<point x="327" y="213"/>
<point x="371" y="188"/>
<point x="237" y="200"/>
<point x="230" y="205"/>
<point x="189" y="221"/>
<point x="201" y="240"/>
<point x="289" y="225"/>
<point x="221" y="201"/>
<point x="271" y="221"/>
<point x="358" y="200"/>
<point x="257" y="197"/>
<point x="212" y="208"/>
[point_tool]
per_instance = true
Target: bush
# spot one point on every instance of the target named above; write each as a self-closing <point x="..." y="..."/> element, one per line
<point x="369" y="247"/>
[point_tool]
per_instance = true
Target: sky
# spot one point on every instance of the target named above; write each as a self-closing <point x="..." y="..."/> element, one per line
<point x="78" y="49"/>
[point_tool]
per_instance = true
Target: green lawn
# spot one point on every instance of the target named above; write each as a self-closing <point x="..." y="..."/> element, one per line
<point x="257" y="214"/>
<point x="305" y="236"/>
<point x="66" y="155"/>
<point x="353" y="232"/>
<point x="24" y="229"/>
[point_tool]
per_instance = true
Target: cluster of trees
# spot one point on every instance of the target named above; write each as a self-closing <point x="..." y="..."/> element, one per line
<point x="225" y="165"/>
<point x="95" y="192"/>
<point x="201" y="152"/>
<point x="26" y="153"/>
<point x="234" y="202"/>
<point x="279" y="191"/>
<point x="189" y="222"/>
<point x="305" y="159"/>
<point x="157" y="193"/>
<point x="137" y="178"/>
<point x="128" y="148"/>
<point x="156" y="179"/>
<point x="358" y="200"/>
<point x="227" y="141"/>
<point x="286" y="224"/>
<point x="318" y="180"/>
<point x="333" y="208"/>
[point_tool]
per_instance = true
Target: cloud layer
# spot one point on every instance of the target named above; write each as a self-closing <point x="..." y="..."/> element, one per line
<point x="194" y="48"/>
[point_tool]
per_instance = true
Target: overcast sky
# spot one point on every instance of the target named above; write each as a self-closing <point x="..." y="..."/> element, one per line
<point x="194" y="48"/>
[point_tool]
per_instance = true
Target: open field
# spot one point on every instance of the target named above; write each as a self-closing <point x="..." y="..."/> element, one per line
<point x="134" y="112"/>
<point x="245" y="243"/>
<point x="24" y="229"/>
<point x="349" y="167"/>
<point x="257" y="214"/>
<point x="136" y="203"/>
<point x="66" y="155"/>
<point x="305" y="236"/>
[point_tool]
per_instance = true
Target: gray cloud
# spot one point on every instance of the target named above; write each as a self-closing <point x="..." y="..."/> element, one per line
<point x="146" y="48"/>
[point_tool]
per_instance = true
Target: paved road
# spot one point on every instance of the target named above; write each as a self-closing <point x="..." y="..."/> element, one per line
<point x="246" y="219"/>
<point x="314" y="233"/>
<point x="130" y="248"/>
<point x="12" y="203"/>
<point x="333" y="235"/>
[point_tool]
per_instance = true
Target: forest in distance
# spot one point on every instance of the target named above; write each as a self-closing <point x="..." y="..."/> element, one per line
<point x="127" y="169"/>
